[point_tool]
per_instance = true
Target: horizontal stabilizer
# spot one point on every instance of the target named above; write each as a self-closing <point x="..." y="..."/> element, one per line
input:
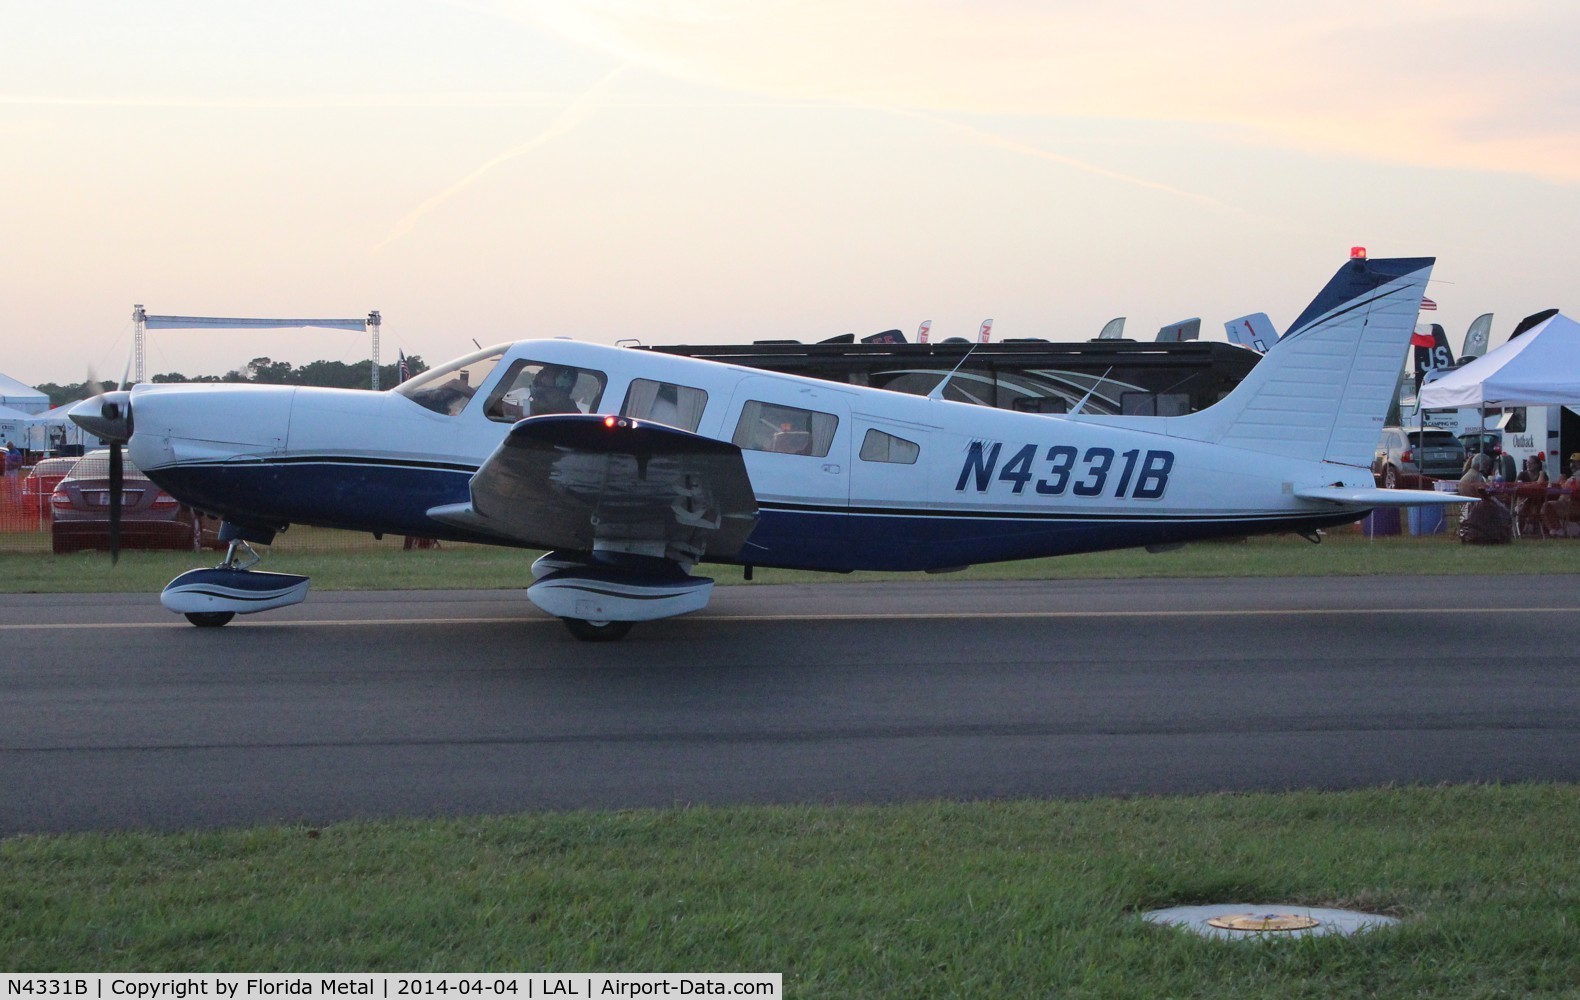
<point x="1375" y="497"/>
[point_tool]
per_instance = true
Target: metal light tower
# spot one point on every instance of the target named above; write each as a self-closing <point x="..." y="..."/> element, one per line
<point x="373" y="324"/>
<point x="139" y="331"/>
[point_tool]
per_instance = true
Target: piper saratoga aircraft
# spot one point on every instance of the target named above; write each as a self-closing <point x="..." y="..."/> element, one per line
<point x="630" y="467"/>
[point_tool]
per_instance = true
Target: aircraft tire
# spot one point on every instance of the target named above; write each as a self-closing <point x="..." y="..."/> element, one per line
<point x="209" y="619"/>
<point x="588" y="631"/>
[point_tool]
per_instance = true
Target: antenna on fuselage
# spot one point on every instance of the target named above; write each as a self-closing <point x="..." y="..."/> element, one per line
<point x="938" y="390"/>
<point x="1093" y="389"/>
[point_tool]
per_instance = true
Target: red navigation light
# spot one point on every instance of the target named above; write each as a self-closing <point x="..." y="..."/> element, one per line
<point x="608" y="421"/>
<point x="1357" y="253"/>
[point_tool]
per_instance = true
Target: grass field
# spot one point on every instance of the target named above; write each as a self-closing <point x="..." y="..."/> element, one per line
<point x="1019" y="899"/>
<point x="342" y="561"/>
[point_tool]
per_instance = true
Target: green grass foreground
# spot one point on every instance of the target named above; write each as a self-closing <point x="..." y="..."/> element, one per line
<point x="1017" y="899"/>
<point x="342" y="561"/>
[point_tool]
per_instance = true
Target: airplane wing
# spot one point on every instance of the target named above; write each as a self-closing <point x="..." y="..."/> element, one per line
<point x="1376" y="497"/>
<point x="565" y="481"/>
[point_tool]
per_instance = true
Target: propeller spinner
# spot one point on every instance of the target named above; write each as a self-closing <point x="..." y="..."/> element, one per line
<point x="108" y="416"/>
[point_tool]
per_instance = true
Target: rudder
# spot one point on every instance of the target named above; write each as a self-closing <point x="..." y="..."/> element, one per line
<point x="1323" y="389"/>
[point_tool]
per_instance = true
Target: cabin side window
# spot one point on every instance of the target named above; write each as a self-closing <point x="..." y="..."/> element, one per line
<point x="664" y="403"/>
<point x="787" y="430"/>
<point x="880" y="447"/>
<point x="533" y="388"/>
<point x="449" y="388"/>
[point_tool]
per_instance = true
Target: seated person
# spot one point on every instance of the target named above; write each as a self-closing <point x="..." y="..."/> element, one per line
<point x="1474" y="482"/>
<point x="1485" y="522"/>
<point x="1560" y="514"/>
<point x="1503" y="465"/>
<point x="1532" y="494"/>
<point x="1534" y="471"/>
<point x="551" y="391"/>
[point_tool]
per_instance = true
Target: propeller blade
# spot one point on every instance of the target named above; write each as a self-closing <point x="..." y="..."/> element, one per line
<point x="126" y="376"/>
<point x="116" y="483"/>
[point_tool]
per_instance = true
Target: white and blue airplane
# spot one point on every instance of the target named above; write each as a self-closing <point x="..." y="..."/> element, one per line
<point x="631" y="467"/>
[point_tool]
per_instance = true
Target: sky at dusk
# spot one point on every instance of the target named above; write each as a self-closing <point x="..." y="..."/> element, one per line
<point x="717" y="171"/>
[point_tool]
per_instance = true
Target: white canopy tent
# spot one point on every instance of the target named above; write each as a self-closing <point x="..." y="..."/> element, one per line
<point x="14" y="426"/>
<point x="49" y="433"/>
<point x="24" y="398"/>
<point x="53" y="431"/>
<point x="1541" y="367"/>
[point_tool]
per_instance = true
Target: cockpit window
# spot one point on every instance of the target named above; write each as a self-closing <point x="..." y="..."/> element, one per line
<point x="532" y="388"/>
<point x="448" y="388"/>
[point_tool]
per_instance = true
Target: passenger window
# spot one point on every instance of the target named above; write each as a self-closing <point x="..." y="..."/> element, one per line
<point x="788" y="430"/>
<point x="532" y="388"/>
<point x="664" y="403"/>
<point x="880" y="447"/>
<point x="449" y="388"/>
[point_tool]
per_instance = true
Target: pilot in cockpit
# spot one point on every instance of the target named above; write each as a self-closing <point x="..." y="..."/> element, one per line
<point x="551" y="391"/>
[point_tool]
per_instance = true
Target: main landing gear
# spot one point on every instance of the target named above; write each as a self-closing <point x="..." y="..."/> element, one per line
<point x="588" y="631"/>
<point x="600" y="600"/>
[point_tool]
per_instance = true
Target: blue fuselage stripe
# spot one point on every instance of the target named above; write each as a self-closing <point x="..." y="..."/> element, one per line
<point x="387" y="498"/>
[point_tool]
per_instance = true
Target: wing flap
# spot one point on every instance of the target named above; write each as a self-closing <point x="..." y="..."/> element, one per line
<point x="570" y="481"/>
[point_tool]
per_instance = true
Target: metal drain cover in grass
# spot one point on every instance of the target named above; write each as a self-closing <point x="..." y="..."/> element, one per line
<point x="1264" y="921"/>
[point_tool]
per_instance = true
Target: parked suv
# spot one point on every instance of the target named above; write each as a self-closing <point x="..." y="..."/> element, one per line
<point x="1404" y="457"/>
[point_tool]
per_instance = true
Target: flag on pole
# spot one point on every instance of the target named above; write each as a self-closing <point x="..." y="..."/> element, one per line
<point x="404" y="371"/>
<point x="1422" y="338"/>
<point x="1427" y="305"/>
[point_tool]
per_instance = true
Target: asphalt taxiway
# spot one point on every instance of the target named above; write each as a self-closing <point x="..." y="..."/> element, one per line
<point x="116" y="714"/>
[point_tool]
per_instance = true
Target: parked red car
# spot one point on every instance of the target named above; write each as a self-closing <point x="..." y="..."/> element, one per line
<point x="41" y="480"/>
<point x="150" y="517"/>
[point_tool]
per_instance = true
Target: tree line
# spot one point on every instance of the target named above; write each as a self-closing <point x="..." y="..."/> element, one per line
<point x="264" y="371"/>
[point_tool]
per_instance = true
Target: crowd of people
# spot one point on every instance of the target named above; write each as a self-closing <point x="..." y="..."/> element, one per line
<point x="1525" y="502"/>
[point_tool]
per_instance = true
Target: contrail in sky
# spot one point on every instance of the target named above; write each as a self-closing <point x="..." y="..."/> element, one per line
<point x="1001" y="142"/>
<point x="574" y="114"/>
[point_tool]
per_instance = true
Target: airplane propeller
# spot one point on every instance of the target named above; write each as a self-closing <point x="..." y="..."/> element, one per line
<point x="108" y="416"/>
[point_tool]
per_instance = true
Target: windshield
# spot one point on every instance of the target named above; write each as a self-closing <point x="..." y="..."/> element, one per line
<point x="447" y="389"/>
<point x="1434" y="439"/>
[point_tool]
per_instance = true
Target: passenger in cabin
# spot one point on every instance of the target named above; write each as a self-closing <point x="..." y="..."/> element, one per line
<point x="551" y="391"/>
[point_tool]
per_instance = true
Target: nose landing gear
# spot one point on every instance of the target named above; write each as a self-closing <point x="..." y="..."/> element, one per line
<point x="210" y="598"/>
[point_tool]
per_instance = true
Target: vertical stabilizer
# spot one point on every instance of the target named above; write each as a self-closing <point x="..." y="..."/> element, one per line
<point x="1114" y="329"/>
<point x="1254" y="331"/>
<point x="1176" y="333"/>
<point x="1323" y="390"/>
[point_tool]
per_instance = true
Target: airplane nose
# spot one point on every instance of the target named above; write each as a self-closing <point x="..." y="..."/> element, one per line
<point x="107" y="416"/>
